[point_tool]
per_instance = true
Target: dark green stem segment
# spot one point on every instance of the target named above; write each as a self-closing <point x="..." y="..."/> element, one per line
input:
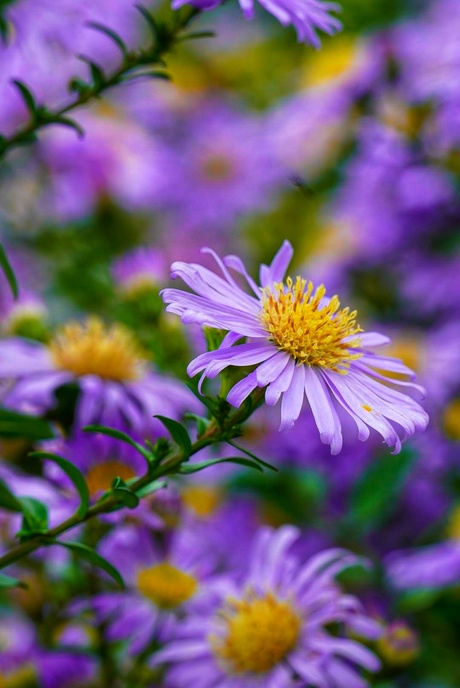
<point x="218" y="431"/>
<point x="165" y="38"/>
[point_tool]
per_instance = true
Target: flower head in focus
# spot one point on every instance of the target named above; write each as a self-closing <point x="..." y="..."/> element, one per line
<point x="306" y="16"/>
<point x="262" y="631"/>
<point x="303" y="344"/>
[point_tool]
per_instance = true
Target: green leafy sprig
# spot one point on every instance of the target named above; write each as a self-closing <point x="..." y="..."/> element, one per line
<point x="165" y="458"/>
<point x="142" y="62"/>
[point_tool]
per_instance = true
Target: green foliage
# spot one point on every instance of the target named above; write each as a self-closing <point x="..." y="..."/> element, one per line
<point x="200" y="466"/>
<point x="73" y="473"/>
<point x="375" y="494"/>
<point x="179" y="434"/>
<point x="34" y="518"/>
<point x="7" y="269"/>
<point x="21" y="425"/>
<point x="91" y="556"/>
<point x="8" y="500"/>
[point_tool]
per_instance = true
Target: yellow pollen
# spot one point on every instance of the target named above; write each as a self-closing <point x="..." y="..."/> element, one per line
<point x="398" y="646"/>
<point x="201" y="499"/>
<point x="260" y="633"/>
<point x="23" y="677"/>
<point x="333" y="62"/>
<point x="453" y="524"/>
<point x="218" y="168"/>
<point x="367" y="408"/>
<point x="166" y="586"/>
<point x="91" y="349"/>
<point x="312" y="333"/>
<point x="451" y="420"/>
<point x="100" y="476"/>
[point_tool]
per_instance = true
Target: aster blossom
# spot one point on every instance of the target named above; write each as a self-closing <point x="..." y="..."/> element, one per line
<point x="271" y="626"/>
<point x="304" y="346"/>
<point x="117" y="385"/>
<point x="306" y="16"/>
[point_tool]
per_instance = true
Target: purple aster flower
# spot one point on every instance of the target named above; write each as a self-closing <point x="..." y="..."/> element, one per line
<point x="66" y="669"/>
<point x="117" y="386"/>
<point x="164" y="581"/>
<point x="306" y="16"/>
<point x="217" y="166"/>
<point x="272" y="625"/>
<point x="143" y="268"/>
<point x="303" y="344"/>
<point x="17" y="646"/>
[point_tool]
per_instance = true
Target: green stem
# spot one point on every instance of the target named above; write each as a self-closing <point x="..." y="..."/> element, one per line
<point x="216" y="432"/>
<point x="150" y="56"/>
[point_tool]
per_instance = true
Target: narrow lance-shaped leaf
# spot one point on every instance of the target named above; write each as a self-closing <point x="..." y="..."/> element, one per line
<point x="178" y="433"/>
<point x="8" y="270"/>
<point x="92" y="557"/>
<point x="122" y="436"/>
<point x="122" y="491"/>
<point x="27" y="96"/>
<point x="8" y="500"/>
<point x="195" y="467"/>
<point x="9" y="582"/>
<point x="110" y="34"/>
<point x="73" y="473"/>
<point x="14" y="424"/>
<point x="252" y="456"/>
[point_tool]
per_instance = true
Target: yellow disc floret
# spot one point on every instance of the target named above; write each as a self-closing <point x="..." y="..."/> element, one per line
<point x="92" y="349"/>
<point x="166" y="586"/>
<point x="101" y="475"/>
<point x="260" y="633"/>
<point x="310" y="329"/>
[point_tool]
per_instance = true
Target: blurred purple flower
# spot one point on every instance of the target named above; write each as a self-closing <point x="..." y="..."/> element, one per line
<point x="117" y="386"/>
<point x="272" y="625"/>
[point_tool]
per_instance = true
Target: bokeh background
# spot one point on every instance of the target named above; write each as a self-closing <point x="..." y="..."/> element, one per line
<point x="352" y="152"/>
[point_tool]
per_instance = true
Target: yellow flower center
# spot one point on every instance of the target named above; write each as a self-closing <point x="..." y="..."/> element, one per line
<point x="334" y="61"/>
<point x="166" y="586"/>
<point x="21" y="678"/>
<point x="91" y="349"/>
<point x="218" y="168"/>
<point x="312" y="333"/>
<point x="201" y="499"/>
<point x="260" y="633"/>
<point x="453" y="524"/>
<point x="101" y="475"/>
<point x="398" y="646"/>
<point x="451" y="420"/>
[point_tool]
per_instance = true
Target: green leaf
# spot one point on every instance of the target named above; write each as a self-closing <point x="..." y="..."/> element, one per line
<point x="376" y="493"/>
<point x="67" y="122"/>
<point x="252" y="456"/>
<point x="152" y="24"/>
<point x="97" y="75"/>
<point x="122" y="436"/>
<point x="178" y="433"/>
<point x="8" y="500"/>
<point x="9" y="582"/>
<point x="110" y="34"/>
<point x="202" y="423"/>
<point x="151" y="488"/>
<point x="35" y="517"/>
<point x="6" y="267"/>
<point x="73" y="473"/>
<point x="13" y="424"/>
<point x="121" y="490"/>
<point x="92" y="557"/>
<point x="27" y="96"/>
<point x="195" y="467"/>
